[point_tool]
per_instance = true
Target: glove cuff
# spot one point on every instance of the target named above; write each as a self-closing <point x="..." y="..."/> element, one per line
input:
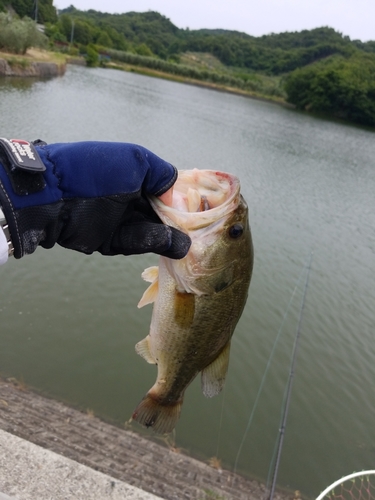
<point x="6" y="244"/>
<point x="21" y="174"/>
<point x="11" y="221"/>
<point x="30" y="226"/>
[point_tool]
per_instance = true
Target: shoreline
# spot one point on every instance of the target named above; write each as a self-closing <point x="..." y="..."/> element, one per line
<point x="117" y="452"/>
<point x="34" y="69"/>
<point x="35" y="63"/>
<point x="42" y="63"/>
<point x="197" y="83"/>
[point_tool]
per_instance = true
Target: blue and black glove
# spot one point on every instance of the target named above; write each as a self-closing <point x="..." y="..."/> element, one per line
<point x="86" y="196"/>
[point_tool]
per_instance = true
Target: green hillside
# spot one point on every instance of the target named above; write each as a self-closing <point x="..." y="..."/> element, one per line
<point x="44" y="9"/>
<point x="299" y="67"/>
<point x="273" y="54"/>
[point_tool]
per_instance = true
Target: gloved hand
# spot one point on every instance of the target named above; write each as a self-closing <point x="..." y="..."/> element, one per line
<point x="90" y="197"/>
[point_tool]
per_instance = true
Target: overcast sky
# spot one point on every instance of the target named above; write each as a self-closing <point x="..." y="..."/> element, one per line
<point x="355" y="18"/>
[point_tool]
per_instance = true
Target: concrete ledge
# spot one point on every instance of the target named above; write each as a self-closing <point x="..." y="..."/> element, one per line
<point x="6" y="497"/>
<point x="32" y="68"/>
<point x="29" y="472"/>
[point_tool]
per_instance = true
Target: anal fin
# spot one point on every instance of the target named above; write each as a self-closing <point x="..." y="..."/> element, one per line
<point x="143" y="349"/>
<point x="213" y="376"/>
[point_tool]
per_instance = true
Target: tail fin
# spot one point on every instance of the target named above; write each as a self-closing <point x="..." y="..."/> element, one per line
<point x="162" y="418"/>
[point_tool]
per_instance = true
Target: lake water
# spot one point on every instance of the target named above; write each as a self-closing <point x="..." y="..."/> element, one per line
<point x="69" y="322"/>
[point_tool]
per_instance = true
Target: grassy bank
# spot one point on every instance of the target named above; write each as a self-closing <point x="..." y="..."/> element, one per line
<point x="191" y="81"/>
<point x="33" y="55"/>
<point x="203" y="70"/>
<point x="34" y="63"/>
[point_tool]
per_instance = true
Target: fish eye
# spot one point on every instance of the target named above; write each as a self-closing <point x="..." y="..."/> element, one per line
<point x="236" y="231"/>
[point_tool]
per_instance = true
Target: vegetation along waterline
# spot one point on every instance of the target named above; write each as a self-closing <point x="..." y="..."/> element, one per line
<point x="318" y="70"/>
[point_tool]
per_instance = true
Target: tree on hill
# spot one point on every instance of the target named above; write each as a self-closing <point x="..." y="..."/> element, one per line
<point x="17" y="35"/>
<point x="43" y="9"/>
<point x="344" y="88"/>
<point x="274" y="54"/>
<point x="138" y="29"/>
<point x="85" y="31"/>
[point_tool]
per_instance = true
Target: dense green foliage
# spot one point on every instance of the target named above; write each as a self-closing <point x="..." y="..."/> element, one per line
<point x="92" y="56"/>
<point x="126" y="30"/>
<point x="344" y="88"/>
<point x="73" y="28"/>
<point x="17" y="35"/>
<point x="42" y="9"/>
<point x="272" y="54"/>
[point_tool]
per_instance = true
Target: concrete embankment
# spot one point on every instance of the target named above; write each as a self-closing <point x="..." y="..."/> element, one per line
<point x="54" y="437"/>
<point x="19" y="67"/>
<point x="29" y="472"/>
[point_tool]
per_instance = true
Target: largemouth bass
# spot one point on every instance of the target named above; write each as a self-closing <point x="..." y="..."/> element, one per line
<point x="199" y="299"/>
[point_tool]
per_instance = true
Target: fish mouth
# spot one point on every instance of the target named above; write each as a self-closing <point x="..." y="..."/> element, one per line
<point x="200" y="199"/>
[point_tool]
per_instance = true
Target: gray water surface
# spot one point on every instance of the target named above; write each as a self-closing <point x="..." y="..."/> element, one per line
<point x="69" y="322"/>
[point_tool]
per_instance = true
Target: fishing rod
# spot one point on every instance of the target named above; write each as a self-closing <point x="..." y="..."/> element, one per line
<point x="289" y="388"/>
<point x="262" y="383"/>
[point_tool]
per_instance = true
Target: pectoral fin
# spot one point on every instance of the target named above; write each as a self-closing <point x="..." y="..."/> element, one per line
<point x="151" y="274"/>
<point x="213" y="376"/>
<point x="143" y="349"/>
